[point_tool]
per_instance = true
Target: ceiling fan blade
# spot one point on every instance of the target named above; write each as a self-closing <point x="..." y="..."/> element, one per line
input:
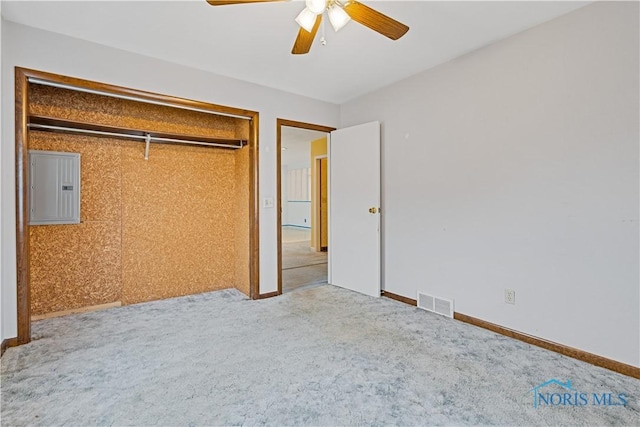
<point x="227" y="2"/>
<point x="305" y="38"/>
<point x="375" y="20"/>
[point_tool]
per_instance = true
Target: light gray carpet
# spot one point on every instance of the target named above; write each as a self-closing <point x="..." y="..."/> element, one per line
<point x="317" y="356"/>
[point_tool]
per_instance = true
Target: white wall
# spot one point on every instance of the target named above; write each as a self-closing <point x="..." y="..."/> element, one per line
<point x="284" y="185"/>
<point x="298" y="214"/>
<point x="296" y="156"/>
<point x="516" y="166"/>
<point x="2" y="335"/>
<point x="31" y="48"/>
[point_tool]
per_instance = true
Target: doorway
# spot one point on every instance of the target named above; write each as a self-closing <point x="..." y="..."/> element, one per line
<point x="302" y="205"/>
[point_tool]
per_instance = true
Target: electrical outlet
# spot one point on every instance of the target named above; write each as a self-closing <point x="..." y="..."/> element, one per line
<point x="509" y="296"/>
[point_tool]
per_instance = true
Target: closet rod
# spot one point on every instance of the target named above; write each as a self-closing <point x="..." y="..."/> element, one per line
<point x="42" y="82"/>
<point x="124" y="135"/>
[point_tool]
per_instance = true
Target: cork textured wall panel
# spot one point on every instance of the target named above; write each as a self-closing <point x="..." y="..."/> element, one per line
<point x="80" y="265"/>
<point x="73" y="266"/>
<point x="242" y="224"/>
<point x="104" y="110"/>
<point x="173" y="225"/>
<point x="178" y="221"/>
<point x="243" y="130"/>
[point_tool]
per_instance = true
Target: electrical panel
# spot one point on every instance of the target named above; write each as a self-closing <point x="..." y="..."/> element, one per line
<point x="54" y="187"/>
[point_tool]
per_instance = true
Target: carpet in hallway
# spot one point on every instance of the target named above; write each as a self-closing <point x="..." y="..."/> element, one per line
<point x="299" y="254"/>
<point x="301" y="265"/>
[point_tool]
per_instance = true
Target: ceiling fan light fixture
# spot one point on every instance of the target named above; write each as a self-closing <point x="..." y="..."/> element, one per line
<point x="338" y="17"/>
<point x="316" y="6"/>
<point x="306" y="19"/>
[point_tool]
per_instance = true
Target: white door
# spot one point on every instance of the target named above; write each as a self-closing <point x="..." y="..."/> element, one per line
<point x="354" y="206"/>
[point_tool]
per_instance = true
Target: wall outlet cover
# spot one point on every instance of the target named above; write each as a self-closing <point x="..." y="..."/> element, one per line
<point x="509" y="296"/>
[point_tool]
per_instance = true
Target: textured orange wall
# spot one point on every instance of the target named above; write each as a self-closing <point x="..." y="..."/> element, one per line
<point x="178" y="221"/>
<point x="324" y="203"/>
<point x="318" y="148"/>
<point x="74" y="266"/>
<point x="175" y="224"/>
<point x="242" y="218"/>
<point x="242" y="221"/>
<point x="71" y="105"/>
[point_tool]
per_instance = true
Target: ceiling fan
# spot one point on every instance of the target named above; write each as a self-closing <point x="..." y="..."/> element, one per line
<point x="340" y="12"/>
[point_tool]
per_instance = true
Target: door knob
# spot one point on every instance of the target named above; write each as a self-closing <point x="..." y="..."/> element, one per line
<point x="373" y="210"/>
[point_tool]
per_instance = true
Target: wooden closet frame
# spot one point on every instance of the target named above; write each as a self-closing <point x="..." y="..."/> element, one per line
<point x="22" y="76"/>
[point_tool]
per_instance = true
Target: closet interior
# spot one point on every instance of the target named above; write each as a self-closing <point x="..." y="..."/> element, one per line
<point x="165" y="201"/>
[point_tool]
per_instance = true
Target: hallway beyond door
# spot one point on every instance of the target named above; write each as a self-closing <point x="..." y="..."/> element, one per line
<point x="301" y="265"/>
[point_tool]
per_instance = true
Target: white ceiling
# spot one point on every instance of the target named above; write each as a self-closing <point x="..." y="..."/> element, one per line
<point x="296" y="144"/>
<point x="291" y="135"/>
<point x="252" y="42"/>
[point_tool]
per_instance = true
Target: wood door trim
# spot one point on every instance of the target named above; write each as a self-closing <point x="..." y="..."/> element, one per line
<point x="303" y="125"/>
<point x="9" y="342"/>
<point x="574" y="353"/>
<point x="254" y="204"/>
<point x="22" y="76"/>
<point x="268" y="295"/>
<point x="299" y="125"/>
<point x="22" y="208"/>
<point x="317" y="192"/>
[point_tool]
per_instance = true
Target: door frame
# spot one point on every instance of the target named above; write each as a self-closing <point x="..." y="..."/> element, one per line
<point x="22" y="76"/>
<point x="317" y="194"/>
<point x="279" y="124"/>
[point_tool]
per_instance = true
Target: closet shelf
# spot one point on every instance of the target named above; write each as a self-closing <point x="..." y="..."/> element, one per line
<point x="51" y="124"/>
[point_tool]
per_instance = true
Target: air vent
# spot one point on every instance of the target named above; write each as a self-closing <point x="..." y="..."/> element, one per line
<point x="436" y="305"/>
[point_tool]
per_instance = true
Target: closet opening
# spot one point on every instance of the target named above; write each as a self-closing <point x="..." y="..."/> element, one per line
<point x="168" y="197"/>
